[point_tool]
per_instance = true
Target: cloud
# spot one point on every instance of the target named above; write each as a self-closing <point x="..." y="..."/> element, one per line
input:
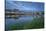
<point x="24" y="5"/>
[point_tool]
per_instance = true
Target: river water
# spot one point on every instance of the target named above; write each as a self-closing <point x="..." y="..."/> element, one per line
<point x="19" y="20"/>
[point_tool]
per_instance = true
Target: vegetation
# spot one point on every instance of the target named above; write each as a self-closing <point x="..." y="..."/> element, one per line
<point x="36" y="23"/>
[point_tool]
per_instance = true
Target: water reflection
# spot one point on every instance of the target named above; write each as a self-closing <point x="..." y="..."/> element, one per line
<point x="18" y="20"/>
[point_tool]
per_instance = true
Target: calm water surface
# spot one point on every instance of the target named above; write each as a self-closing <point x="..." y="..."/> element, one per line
<point x="20" y="20"/>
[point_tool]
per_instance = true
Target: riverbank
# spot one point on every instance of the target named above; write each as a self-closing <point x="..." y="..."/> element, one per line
<point x="36" y="23"/>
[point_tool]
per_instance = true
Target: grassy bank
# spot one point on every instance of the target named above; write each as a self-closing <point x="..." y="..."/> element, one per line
<point x="36" y="23"/>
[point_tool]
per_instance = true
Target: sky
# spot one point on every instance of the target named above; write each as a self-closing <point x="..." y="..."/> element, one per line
<point x="23" y="5"/>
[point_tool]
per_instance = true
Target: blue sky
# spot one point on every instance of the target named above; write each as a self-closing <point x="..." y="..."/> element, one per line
<point x="26" y="6"/>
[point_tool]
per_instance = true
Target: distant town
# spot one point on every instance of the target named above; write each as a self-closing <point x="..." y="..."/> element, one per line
<point x="16" y="12"/>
